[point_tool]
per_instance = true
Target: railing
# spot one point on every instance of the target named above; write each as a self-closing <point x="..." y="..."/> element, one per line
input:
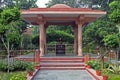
<point x="51" y="49"/>
<point x="13" y="54"/>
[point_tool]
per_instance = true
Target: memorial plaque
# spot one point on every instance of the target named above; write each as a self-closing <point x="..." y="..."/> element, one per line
<point x="60" y="49"/>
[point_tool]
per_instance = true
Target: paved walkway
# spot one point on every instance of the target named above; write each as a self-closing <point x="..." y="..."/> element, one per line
<point x="63" y="75"/>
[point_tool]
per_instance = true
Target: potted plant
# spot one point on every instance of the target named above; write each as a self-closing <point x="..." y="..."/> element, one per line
<point x="89" y="64"/>
<point x="98" y="70"/>
<point x="30" y="70"/>
<point x="105" y="73"/>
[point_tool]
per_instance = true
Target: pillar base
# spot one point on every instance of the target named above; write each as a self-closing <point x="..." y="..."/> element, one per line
<point x="41" y="54"/>
<point x="80" y="55"/>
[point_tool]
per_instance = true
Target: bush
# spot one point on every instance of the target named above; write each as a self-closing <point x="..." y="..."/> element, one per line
<point x="30" y="67"/>
<point x="114" y="77"/>
<point x="3" y="66"/>
<point x="16" y="66"/>
<point x="20" y="76"/>
<point x="94" y="64"/>
<point x="90" y="62"/>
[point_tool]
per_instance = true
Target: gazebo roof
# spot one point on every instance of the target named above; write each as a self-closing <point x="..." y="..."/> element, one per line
<point x="60" y="13"/>
<point x="60" y="6"/>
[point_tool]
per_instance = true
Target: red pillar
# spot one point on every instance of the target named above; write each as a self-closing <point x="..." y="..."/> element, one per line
<point x="79" y="39"/>
<point x="80" y="22"/>
<point x="75" y="39"/>
<point x="45" y="38"/>
<point x="42" y="38"/>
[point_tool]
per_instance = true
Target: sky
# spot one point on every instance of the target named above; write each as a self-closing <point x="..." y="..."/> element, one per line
<point x="41" y="3"/>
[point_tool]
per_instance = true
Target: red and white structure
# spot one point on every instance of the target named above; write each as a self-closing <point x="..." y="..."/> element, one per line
<point x="61" y="14"/>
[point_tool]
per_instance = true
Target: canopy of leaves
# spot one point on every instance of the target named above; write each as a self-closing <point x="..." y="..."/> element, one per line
<point x="115" y="11"/>
<point x="95" y="32"/>
<point x="9" y="22"/>
<point x="101" y="4"/>
<point x="24" y="4"/>
<point x="111" y="40"/>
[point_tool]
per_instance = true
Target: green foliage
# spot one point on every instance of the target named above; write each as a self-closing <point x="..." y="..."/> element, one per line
<point x="114" y="77"/>
<point x="54" y="35"/>
<point x="114" y="69"/>
<point x="81" y="3"/>
<point x="30" y="67"/>
<point x="3" y="66"/>
<point x="9" y="26"/>
<point x="10" y="15"/>
<point x="107" y="64"/>
<point x="26" y="4"/>
<point x="20" y="76"/>
<point x="90" y="62"/>
<point x="95" y="32"/>
<point x="115" y="11"/>
<point x="35" y="40"/>
<point x="106" y="72"/>
<point x="94" y="64"/>
<point x="13" y="75"/>
<point x="111" y="40"/>
<point x="16" y="66"/>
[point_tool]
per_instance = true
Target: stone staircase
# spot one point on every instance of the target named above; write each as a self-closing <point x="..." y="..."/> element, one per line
<point x="62" y="63"/>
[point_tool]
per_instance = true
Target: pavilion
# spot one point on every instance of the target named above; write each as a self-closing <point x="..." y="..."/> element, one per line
<point x="61" y="14"/>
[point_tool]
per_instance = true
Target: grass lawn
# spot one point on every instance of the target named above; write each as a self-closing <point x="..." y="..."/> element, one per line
<point x="114" y="76"/>
<point x="14" y="75"/>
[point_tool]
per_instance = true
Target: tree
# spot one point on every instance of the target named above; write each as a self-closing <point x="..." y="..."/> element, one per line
<point x="24" y="4"/>
<point x="111" y="41"/>
<point x="95" y="32"/>
<point x="101" y="4"/>
<point x="115" y="17"/>
<point x="9" y="31"/>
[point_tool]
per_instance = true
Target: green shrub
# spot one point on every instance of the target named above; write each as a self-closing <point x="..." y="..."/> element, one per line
<point x="90" y="62"/>
<point x="30" y="67"/>
<point x="94" y="64"/>
<point x="114" y="77"/>
<point x="106" y="72"/>
<point x="16" y="66"/>
<point x="114" y="68"/>
<point x="20" y="76"/>
<point x="3" y="66"/>
<point x="107" y="64"/>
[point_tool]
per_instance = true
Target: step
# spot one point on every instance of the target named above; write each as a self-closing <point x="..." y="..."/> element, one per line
<point x="62" y="68"/>
<point x="61" y="60"/>
<point x="62" y="64"/>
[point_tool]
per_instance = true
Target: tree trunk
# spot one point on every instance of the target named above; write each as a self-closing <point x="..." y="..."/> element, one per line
<point x="118" y="54"/>
<point x="118" y="25"/>
<point x="8" y="51"/>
